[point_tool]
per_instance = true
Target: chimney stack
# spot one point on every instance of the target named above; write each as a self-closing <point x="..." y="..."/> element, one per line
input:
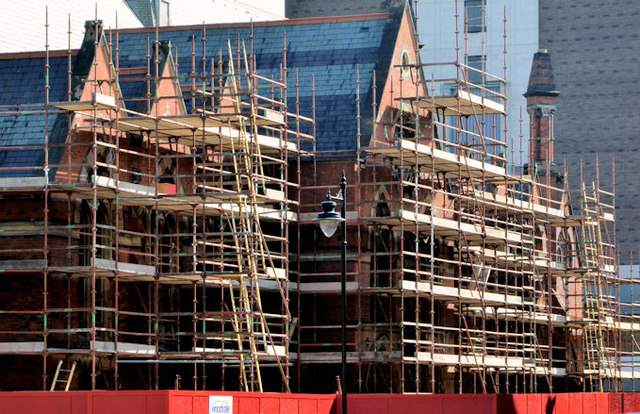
<point x="541" y="105"/>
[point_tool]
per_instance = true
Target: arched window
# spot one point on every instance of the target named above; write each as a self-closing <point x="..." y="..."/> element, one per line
<point x="382" y="208"/>
<point x="561" y="250"/>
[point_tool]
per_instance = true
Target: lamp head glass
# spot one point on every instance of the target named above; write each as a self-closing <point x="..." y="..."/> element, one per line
<point x="329" y="219"/>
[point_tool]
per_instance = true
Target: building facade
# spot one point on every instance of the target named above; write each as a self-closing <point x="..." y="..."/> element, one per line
<point x="595" y="49"/>
<point x="158" y="199"/>
<point x="184" y="12"/>
<point x="296" y="9"/>
<point x="483" y="44"/>
<point x="22" y="25"/>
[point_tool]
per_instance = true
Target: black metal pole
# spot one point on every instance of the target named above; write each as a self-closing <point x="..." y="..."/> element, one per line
<point x="343" y="287"/>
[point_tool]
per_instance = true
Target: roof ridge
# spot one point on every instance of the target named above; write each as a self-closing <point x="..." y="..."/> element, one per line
<point x="37" y="54"/>
<point x="270" y="23"/>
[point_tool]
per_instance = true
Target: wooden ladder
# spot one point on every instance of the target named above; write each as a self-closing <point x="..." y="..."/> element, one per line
<point x="57" y="379"/>
<point x="595" y="292"/>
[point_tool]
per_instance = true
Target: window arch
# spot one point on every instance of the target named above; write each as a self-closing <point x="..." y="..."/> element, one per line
<point x="561" y="249"/>
<point x="381" y="206"/>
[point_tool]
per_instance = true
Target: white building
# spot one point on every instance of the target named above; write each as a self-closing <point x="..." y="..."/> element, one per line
<point x="437" y="27"/>
<point x="22" y="23"/>
<point x="188" y="12"/>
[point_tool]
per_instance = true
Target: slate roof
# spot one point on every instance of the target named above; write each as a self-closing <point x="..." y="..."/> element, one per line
<point x="329" y="49"/>
<point x="134" y="86"/>
<point x="144" y="11"/>
<point x="22" y="82"/>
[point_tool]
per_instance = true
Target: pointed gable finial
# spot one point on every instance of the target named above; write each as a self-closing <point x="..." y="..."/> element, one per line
<point x="90" y="29"/>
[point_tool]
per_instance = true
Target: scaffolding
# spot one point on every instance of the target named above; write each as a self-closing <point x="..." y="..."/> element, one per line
<point x="448" y="274"/>
<point x="464" y="273"/>
<point x="469" y="251"/>
<point x="593" y="293"/>
<point x="628" y="335"/>
<point x="161" y="245"/>
<point x="165" y="240"/>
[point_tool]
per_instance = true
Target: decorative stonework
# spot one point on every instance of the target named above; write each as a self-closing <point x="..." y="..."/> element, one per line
<point x="540" y="110"/>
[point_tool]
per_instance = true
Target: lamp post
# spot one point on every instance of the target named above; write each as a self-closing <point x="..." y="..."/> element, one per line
<point x="329" y="220"/>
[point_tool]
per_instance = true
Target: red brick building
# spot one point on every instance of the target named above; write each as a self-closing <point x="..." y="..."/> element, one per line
<point x="159" y="188"/>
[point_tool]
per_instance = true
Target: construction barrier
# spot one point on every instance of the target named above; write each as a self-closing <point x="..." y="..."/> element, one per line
<point x="414" y="404"/>
<point x="205" y="402"/>
<point x="574" y="403"/>
<point x="164" y="402"/>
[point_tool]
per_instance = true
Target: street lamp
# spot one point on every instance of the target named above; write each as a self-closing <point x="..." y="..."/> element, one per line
<point x="329" y="220"/>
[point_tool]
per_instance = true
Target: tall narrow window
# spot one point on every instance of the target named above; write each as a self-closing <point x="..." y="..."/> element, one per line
<point x="473" y="9"/>
<point x="476" y="62"/>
